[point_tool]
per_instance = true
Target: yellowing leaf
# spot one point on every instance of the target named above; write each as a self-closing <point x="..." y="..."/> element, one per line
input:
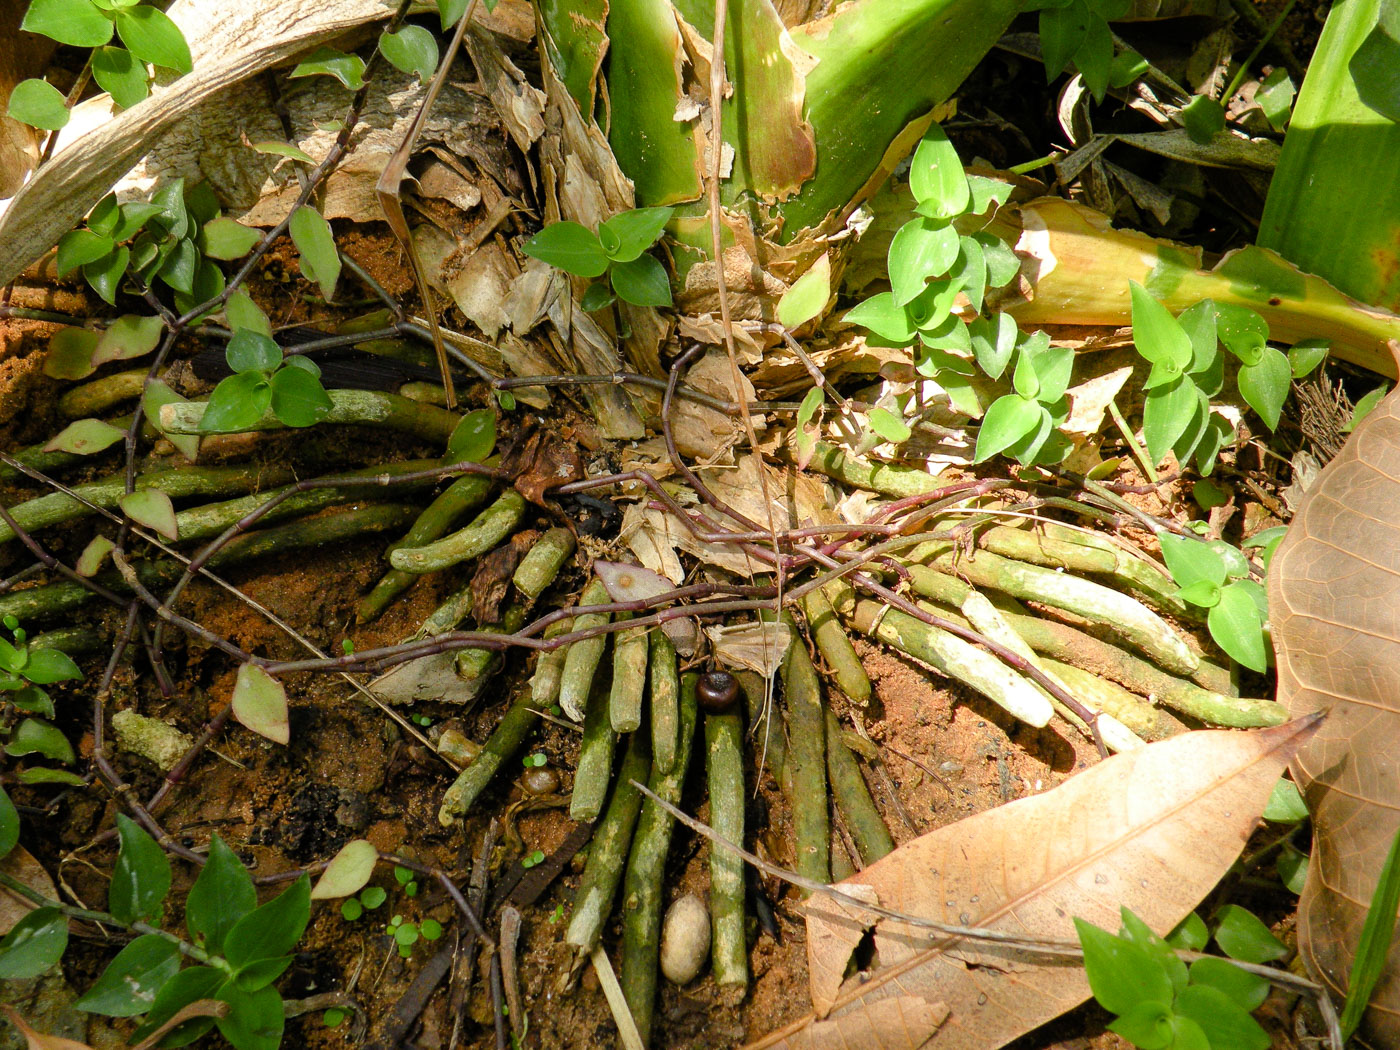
<point x="260" y="704"/>
<point x="808" y="295"/>
<point x="347" y="872"/>
<point x="152" y="508"/>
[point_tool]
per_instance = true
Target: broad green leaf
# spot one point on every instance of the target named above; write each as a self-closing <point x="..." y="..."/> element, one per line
<point x="134" y="216"/>
<point x="1236" y="564"/>
<point x="180" y="265"/>
<point x="173" y="216"/>
<point x="46" y="666"/>
<point x="1208" y="495"/>
<point x="327" y="61"/>
<point x="237" y="403"/>
<point x="1023" y="377"/>
<point x="993" y="341"/>
<point x="1198" y="322"/>
<point x="1266" y="541"/>
<point x="141" y="878"/>
<point x="627" y="234"/>
<point x="1053" y="366"/>
<point x="474" y="437"/>
<point x="74" y="22"/>
<point x="1167" y="413"/>
<point x="320" y="262"/>
<point x="1002" y="262"/>
<point x="1006" y="421"/>
<point x="1375" y="67"/>
<point x="570" y="247"/>
<point x="284" y="149"/>
<point x="1190" y="561"/>
<point x="1190" y="934"/>
<point x="1246" y="990"/>
<point x="881" y="315"/>
<point x="951" y="335"/>
<point x="261" y="972"/>
<point x="272" y="930"/>
<point x="1137" y="931"/>
<point x="84" y="437"/>
<point x="1094" y="57"/>
<point x="129" y="336"/>
<point x="1305" y="356"/>
<point x="1195" y="430"/>
<point x="1285" y="804"/>
<point x="1203" y="118"/>
<point x="1188" y="1035"/>
<point x="298" y="398"/>
<point x="921" y="250"/>
<point x="1377" y="933"/>
<point x="1146" y="1025"/>
<point x="1264" y="385"/>
<point x="228" y="239"/>
<point x="1243" y="331"/>
<point x="1158" y="335"/>
<point x="1062" y="30"/>
<point x="807" y="296"/>
<point x="153" y="509"/>
<point x="970" y="269"/>
<point x="889" y="426"/>
<point x="242" y="312"/>
<point x="33" y="944"/>
<point x="641" y="282"/>
<point x="80" y="247"/>
<point x="1228" y="1026"/>
<point x="38" y="104"/>
<point x="1040" y="444"/>
<point x="221" y="896"/>
<point x="1241" y="935"/>
<point x="105" y="274"/>
<point x="9" y="824"/>
<point x="348" y="872"/>
<point x="187" y="986"/>
<point x="256" y="1019"/>
<point x="119" y="74"/>
<point x="451" y="10"/>
<point x="151" y="36"/>
<point x="1121" y="974"/>
<point x="1218" y="431"/>
<point x="260" y="704"/>
<point x="250" y="351"/>
<point x="412" y="49"/>
<point x="936" y="176"/>
<point x="1292" y="868"/>
<point x="70" y="354"/>
<point x="129" y="984"/>
<point x="931" y="309"/>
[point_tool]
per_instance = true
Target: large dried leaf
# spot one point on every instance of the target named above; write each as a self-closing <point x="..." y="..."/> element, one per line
<point x="1153" y="829"/>
<point x="1334" y="600"/>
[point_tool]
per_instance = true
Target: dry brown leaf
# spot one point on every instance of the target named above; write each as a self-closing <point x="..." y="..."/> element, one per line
<point x="1153" y="829"/>
<point x="20" y="864"/>
<point x="1334" y="601"/>
<point x="38" y="1040"/>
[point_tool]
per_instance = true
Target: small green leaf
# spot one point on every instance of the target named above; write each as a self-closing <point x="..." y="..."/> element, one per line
<point x="119" y="74"/>
<point x="1202" y="593"/>
<point x="807" y="296"/>
<point x="570" y="247"/>
<point x="373" y="896"/>
<point x="986" y="193"/>
<point x="1377" y="932"/>
<point x="921" y="250"/>
<point x="74" y="22"/>
<point x="1158" y="335"/>
<point x="105" y="274"/>
<point x="1243" y="331"/>
<point x="153" y="509"/>
<point x="156" y="395"/>
<point x="1306" y="355"/>
<point x="1229" y="1026"/>
<point x="1241" y="935"/>
<point x="1208" y="495"/>
<point x="298" y="398"/>
<point x="129" y="336"/>
<point x="1167" y="413"/>
<point x="38" y="104"/>
<point x="1264" y="385"/>
<point x="260" y="704"/>
<point x="46" y="666"/>
<point x="320" y="262"/>
<point x="228" y="239"/>
<point x="44" y="775"/>
<point x="1238" y="627"/>
<point x="1363" y="407"/>
<point x="1137" y="931"/>
<point x="284" y="149"/>
<point x="242" y="312"/>
<point x="129" y="984"/>
<point x="347" y="872"/>
<point x="141" y="878"/>
<point x="221" y="896"/>
<point x="1094" y="57"/>
<point x="1190" y="561"/>
<point x="889" y="426"/>
<point x="70" y="354"/>
<point x="641" y="282"/>
<point x="250" y="351"/>
<point x="881" y="315"/>
<point x="351" y="910"/>
<point x="237" y="403"/>
<point x="474" y="437"/>
<point x="1292" y="868"/>
<point x="152" y="37"/>
<point x="80" y="247"/>
<point x="1008" y="420"/>
<point x="327" y="61"/>
<point x="1275" y="97"/>
<point x="1246" y="990"/>
<point x="1053" y="366"/>
<point x="1121" y="974"/>
<point x="134" y="216"/>
<point x="84" y="437"/>
<point x="1127" y="67"/>
<point x="1190" y="934"/>
<point x="271" y="931"/>
<point x="936" y="176"/>
<point x="1266" y="541"/>
<point x="993" y="341"/>
<point x="9" y="824"/>
<point x="431" y="929"/>
<point x="256" y="1018"/>
<point x="304" y="363"/>
<point x="1203" y="118"/>
<point x="596" y="296"/>
<point x="33" y="944"/>
<point x="1146" y="1025"/>
<point x="412" y="50"/>
<point x="1002" y="262"/>
<point x="627" y="234"/>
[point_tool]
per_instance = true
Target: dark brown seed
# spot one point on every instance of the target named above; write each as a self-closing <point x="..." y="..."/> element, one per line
<point x="541" y="780"/>
<point x="717" y="691"/>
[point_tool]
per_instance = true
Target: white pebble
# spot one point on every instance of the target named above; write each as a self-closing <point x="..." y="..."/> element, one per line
<point x="685" y="939"/>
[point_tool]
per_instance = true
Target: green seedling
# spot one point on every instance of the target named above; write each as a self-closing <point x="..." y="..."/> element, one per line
<point x="617" y="250"/>
<point x="536" y="760"/>
<point x="264" y="378"/>
<point x="1216" y="577"/>
<point x="404" y="877"/>
<point x="28" y="729"/>
<point x="532" y="859"/>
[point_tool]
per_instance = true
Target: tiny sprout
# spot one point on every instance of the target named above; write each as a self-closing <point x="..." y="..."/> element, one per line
<point x="11" y="621"/>
<point x="402" y="875"/>
<point x="333" y="1017"/>
<point x="557" y="914"/>
<point x="534" y="858"/>
<point x="351" y="909"/>
<point x="410" y="889"/>
<point x="535" y="760"/>
<point x="347" y="646"/>
<point x="373" y="896"/>
<point x="431" y="929"/>
<point x="422" y="720"/>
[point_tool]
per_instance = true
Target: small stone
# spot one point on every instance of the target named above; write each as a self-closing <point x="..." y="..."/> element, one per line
<point x="540" y="780"/>
<point x="685" y="939"/>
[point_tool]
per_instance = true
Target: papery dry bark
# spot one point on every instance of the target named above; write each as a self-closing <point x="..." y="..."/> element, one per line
<point x="1153" y="829"/>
